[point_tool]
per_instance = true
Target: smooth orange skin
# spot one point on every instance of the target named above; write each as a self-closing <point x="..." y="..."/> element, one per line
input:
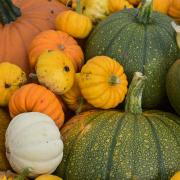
<point x="174" y="10"/>
<point x="56" y="40"/>
<point x="36" y="98"/>
<point x="73" y="23"/>
<point x="15" y="37"/>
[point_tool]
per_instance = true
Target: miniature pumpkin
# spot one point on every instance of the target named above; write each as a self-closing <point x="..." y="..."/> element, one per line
<point x="117" y="5"/>
<point x="34" y="141"/>
<point x="161" y="5"/>
<point x="56" y="40"/>
<point x="11" y="78"/>
<point x="74" y="23"/>
<point x="55" y="70"/>
<point x="48" y="177"/>
<point x="176" y="176"/>
<point x="74" y="99"/>
<point x="19" y="25"/>
<point x="103" y="82"/>
<point x="116" y="145"/>
<point x="36" y="98"/>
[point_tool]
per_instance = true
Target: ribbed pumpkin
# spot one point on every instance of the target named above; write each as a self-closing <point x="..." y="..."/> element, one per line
<point x="116" y="145"/>
<point x="11" y="78"/>
<point x="173" y="86"/>
<point x="4" y="122"/>
<point x="19" y="25"/>
<point x="56" y="40"/>
<point x="36" y="98"/>
<point x="140" y="41"/>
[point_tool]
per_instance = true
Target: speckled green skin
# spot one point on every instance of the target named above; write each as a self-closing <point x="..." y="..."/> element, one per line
<point x="173" y="86"/>
<point x="112" y="145"/>
<point x="150" y="49"/>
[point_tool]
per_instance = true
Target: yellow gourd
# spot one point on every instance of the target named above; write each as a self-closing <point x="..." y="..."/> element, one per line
<point x="55" y="70"/>
<point x="11" y="78"/>
<point x="48" y="177"/>
<point x="74" y="99"/>
<point x="176" y="176"/>
<point x="103" y="82"/>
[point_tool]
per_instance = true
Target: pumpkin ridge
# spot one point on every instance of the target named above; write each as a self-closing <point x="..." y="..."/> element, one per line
<point x="161" y="166"/>
<point x="168" y="128"/>
<point x="75" y="140"/>
<point x="113" y="145"/>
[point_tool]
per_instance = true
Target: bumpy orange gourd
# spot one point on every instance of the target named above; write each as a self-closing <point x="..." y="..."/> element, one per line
<point x="36" y="98"/>
<point x="56" y="40"/>
<point x="18" y="26"/>
<point x="117" y="5"/>
<point x="103" y="82"/>
<point x="74" y="99"/>
<point x="55" y="70"/>
<point x="74" y="23"/>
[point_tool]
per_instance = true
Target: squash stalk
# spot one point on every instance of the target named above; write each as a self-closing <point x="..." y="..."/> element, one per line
<point x="145" y="11"/>
<point x="8" y="12"/>
<point x="114" y="80"/>
<point x="81" y="103"/>
<point x="134" y="96"/>
<point x="79" y="7"/>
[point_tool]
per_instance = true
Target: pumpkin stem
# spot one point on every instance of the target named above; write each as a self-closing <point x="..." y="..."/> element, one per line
<point x="8" y="12"/>
<point x="79" y="7"/>
<point x="23" y="175"/>
<point x="134" y="96"/>
<point x="114" y="80"/>
<point x="145" y="11"/>
<point x="81" y="103"/>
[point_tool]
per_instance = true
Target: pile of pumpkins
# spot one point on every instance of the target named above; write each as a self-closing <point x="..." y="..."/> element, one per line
<point x="79" y="87"/>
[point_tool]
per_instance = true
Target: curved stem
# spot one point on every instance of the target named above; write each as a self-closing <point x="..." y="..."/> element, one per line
<point x="134" y="96"/>
<point x="81" y="103"/>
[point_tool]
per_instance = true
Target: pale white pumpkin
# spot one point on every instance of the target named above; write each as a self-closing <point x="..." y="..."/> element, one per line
<point x="33" y="141"/>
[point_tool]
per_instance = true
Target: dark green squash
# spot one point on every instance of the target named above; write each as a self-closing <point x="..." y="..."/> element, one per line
<point x="173" y="86"/>
<point x="121" y="145"/>
<point x="140" y="41"/>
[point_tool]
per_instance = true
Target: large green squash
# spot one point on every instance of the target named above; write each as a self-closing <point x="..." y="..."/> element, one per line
<point x="4" y="122"/>
<point x="121" y="145"/>
<point x="140" y="41"/>
<point x="173" y="86"/>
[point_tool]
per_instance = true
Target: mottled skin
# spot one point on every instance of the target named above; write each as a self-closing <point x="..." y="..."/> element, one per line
<point x="173" y="86"/>
<point x="149" y="48"/>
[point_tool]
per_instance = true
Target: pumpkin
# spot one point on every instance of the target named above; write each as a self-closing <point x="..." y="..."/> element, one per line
<point x="103" y="82"/>
<point x="176" y="176"/>
<point x="20" y="22"/>
<point x="173" y="86"/>
<point x="36" y="98"/>
<point x="56" y="40"/>
<point x="11" y="78"/>
<point x="117" y="5"/>
<point x="55" y="70"/>
<point x="136" y="42"/>
<point x="177" y="29"/>
<point x="67" y="21"/>
<point x="48" y="177"/>
<point x="74" y="99"/>
<point x="4" y="122"/>
<point x="161" y="5"/>
<point x="34" y="141"/>
<point x="111" y="144"/>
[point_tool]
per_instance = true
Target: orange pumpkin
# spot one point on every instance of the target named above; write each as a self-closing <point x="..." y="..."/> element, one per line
<point x="18" y="26"/>
<point x="174" y="10"/>
<point x="36" y="98"/>
<point x="56" y="40"/>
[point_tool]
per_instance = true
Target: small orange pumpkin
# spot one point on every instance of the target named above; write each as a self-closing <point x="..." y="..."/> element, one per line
<point x="74" y="23"/>
<point x="103" y="82"/>
<point x="36" y="98"/>
<point x="56" y="40"/>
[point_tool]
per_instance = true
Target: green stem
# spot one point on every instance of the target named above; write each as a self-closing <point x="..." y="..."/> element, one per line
<point x="114" y="80"/>
<point x="145" y="11"/>
<point x="79" y="7"/>
<point x="23" y="175"/>
<point x="134" y="96"/>
<point x="81" y="103"/>
<point x="8" y="11"/>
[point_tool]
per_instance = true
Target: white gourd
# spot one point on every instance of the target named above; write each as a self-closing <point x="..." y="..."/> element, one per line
<point x="33" y="141"/>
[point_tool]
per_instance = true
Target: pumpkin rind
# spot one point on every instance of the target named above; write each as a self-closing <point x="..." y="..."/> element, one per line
<point x="121" y="145"/>
<point x="138" y="47"/>
<point x="36" y="98"/>
<point x="173" y="86"/>
<point x="56" y="40"/>
<point x="36" y="16"/>
<point x="11" y="78"/>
